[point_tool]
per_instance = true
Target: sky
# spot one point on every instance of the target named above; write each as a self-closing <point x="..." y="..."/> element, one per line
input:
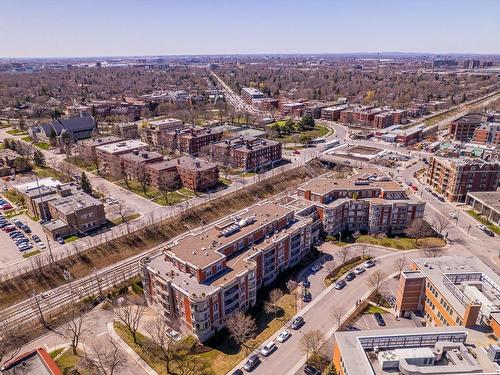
<point x="66" y="28"/>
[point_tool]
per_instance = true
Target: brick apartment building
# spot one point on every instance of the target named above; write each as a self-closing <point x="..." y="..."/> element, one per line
<point x="192" y="173"/>
<point x="383" y="120"/>
<point x="487" y="134"/>
<point x="292" y="109"/>
<point x="137" y="160"/>
<point x="368" y="201"/>
<point x="109" y="154"/>
<point x="202" y="278"/>
<point x="462" y="129"/>
<point x="314" y="108"/>
<point x="266" y="104"/>
<point x="88" y="146"/>
<point x="247" y="153"/>
<point x="249" y="93"/>
<point x="454" y="178"/>
<point x="189" y="140"/>
<point x="332" y="113"/>
<point x="151" y="131"/>
<point x="450" y="291"/>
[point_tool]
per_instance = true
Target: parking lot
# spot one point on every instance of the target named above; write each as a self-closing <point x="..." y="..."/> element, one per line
<point x="368" y="321"/>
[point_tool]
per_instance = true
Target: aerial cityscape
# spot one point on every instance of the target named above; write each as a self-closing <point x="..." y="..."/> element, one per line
<point x="267" y="187"/>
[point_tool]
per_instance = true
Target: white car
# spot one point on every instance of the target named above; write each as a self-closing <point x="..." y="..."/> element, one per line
<point x="316" y="267"/>
<point x="359" y="270"/>
<point x="268" y="348"/>
<point x="453" y="215"/>
<point x="173" y="334"/>
<point x="284" y="335"/>
<point x="40" y="245"/>
<point x="481" y="226"/>
<point x="369" y="263"/>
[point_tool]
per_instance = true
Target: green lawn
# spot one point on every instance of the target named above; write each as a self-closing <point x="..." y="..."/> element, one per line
<point x="400" y="243"/>
<point x="14" y="197"/>
<point x="42" y="145"/>
<point x="135" y="187"/>
<point x="27" y="139"/>
<point x="30" y="254"/>
<point x="319" y="131"/>
<point x="370" y="309"/>
<point x="89" y="167"/>
<point x="225" y="181"/>
<point x="247" y="174"/>
<point x="186" y="191"/>
<point x="53" y="354"/>
<point x="348" y="266"/>
<point x="221" y="354"/>
<point x="68" y="362"/>
<point x="70" y="239"/>
<point x="119" y="220"/>
<point x="17" y="132"/>
<point x="494" y="228"/>
<point x="44" y="172"/>
<point x="173" y="198"/>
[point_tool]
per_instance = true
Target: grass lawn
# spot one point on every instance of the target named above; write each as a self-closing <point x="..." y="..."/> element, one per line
<point x="68" y="361"/>
<point x="89" y="167"/>
<point x="225" y="181"/>
<point x="348" y="266"/>
<point x="70" y="239"/>
<point x="247" y="174"/>
<point x="186" y="191"/>
<point x="494" y="228"/>
<point x="12" y="196"/>
<point x="119" y="220"/>
<point x="30" y="254"/>
<point x="221" y="354"/>
<point x="42" y="145"/>
<point x="53" y="354"/>
<point x="27" y="139"/>
<point x="173" y="198"/>
<point x="400" y="243"/>
<point x="319" y="131"/>
<point x="135" y="187"/>
<point x="17" y="132"/>
<point x="370" y="309"/>
<point x="43" y="172"/>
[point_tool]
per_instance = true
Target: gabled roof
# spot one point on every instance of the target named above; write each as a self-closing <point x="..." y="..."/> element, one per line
<point x="74" y="124"/>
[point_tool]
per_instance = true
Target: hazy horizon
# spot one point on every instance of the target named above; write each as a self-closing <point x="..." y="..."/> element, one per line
<point x="92" y="28"/>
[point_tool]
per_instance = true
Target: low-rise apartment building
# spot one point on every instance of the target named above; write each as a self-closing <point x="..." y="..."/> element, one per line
<point x="368" y="201"/>
<point x="192" y="173"/>
<point x="487" y="134"/>
<point x="152" y="130"/>
<point x="133" y="163"/>
<point x="462" y="129"/>
<point x="189" y="140"/>
<point x="411" y="351"/>
<point x="454" y="178"/>
<point x="249" y="93"/>
<point x="332" y="113"/>
<point x="203" y="277"/>
<point x="247" y="153"/>
<point x="109" y="154"/>
<point x="450" y="291"/>
<point x="88" y="146"/>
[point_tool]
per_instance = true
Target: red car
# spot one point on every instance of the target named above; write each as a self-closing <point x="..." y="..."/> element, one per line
<point x="9" y="228"/>
<point x="414" y="188"/>
<point x="7" y="206"/>
<point x="296" y="152"/>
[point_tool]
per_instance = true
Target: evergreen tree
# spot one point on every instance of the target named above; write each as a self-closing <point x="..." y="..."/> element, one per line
<point x="85" y="184"/>
<point x="39" y="158"/>
<point x="330" y="370"/>
<point x="52" y="137"/>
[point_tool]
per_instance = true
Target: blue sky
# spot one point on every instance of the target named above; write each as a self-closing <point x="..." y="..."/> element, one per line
<point x="46" y="28"/>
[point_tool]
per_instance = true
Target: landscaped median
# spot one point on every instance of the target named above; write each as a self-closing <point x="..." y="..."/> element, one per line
<point x="217" y="356"/>
<point x="494" y="228"/>
<point x="399" y="243"/>
<point x="340" y="270"/>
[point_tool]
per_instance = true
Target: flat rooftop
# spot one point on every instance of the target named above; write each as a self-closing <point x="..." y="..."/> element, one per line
<point x="252" y="91"/>
<point x="463" y="272"/>
<point x="122" y="147"/>
<point x="488" y="198"/>
<point x="99" y="141"/>
<point x="246" y="144"/>
<point x="202" y="249"/>
<point x="77" y="201"/>
<point x="48" y="182"/>
<point x="141" y="156"/>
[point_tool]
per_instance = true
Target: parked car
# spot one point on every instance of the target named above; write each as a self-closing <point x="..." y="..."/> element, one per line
<point x="453" y="215"/>
<point x="268" y="348"/>
<point x="35" y="238"/>
<point x="237" y="372"/>
<point x="311" y="370"/>
<point x="359" y="270"/>
<point x="6" y="206"/>
<point x="441" y="198"/>
<point x="9" y="228"/>
<point x="481" y="226"/>
<point x="369" y="263"/>
<point x="173" y="334"/>
<point x="306" y="296"/>
<point x="284" y="335"/>
<point x="316" y="267"/>
<point x="296" y="152"/>
<point x="14" y="234"/>
<point x="306" y="283"/>
<point x="60" y="240"/>
<point x="380" y="320"/>
<point x="251" y="363"/>
<point x="40" y="245"/>
<point x="340" y="284"/>
<point x="26" y="246"/>
<point x="350" y="276"/>
<point x="428" y="189"/>
<point x="297" y="323"/>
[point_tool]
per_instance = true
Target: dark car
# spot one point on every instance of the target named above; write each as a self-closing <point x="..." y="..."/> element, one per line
<point x="306" y="283"/>
<point x="350" y="276"/>
<point x="306" y="296"/>
<point x="340" y="284"/>
<point x="26" y="228"/>
<point x="237" y="372"/>
<point x="252" y="362"/>
<point x="380" y="320"/>
<point x="35" y="238"/>
<point x="297" y="323"/>
<point x="311" y="370"/>
<point x="441" y="198"/>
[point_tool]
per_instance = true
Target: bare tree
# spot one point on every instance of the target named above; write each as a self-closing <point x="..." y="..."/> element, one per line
<point x="418" y="229"/>
<point x="242" y="328"/>
<point x="433" y="252"/>
<point x="74" y="328"/>
<point x="311" y="342"/>
<point x="440" y="223"/>
<point x="104" y="358"/>
<point x="400" y="263"/>
<point x="12" y="339"/>
<point x="375" y="281"/>
<point x="143" y="179"/>
<point x="164" y="345"/>
<point x="122" y="210"/>
<point x="291" y="285"/>
<point x="337" y="313"/>
<point x="271" y="304"/>
<point x="363" y="250"/>
<point x="130" y="314"/>
<point x="344" y="254"/>
<point x="168" y="183"/>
